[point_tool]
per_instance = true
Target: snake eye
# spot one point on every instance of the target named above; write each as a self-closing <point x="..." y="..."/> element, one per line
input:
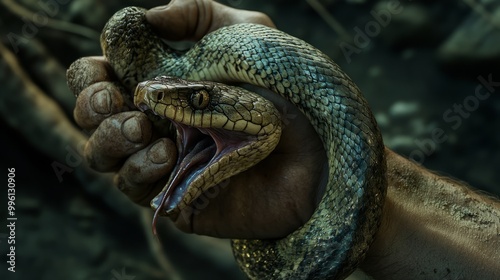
<point x="199" y="99"/>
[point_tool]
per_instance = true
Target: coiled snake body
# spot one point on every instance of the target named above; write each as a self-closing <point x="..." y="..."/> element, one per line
<point x="336" y="238"/>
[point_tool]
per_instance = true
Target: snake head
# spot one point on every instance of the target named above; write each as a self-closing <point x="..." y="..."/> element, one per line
<point x="221" y="131"/>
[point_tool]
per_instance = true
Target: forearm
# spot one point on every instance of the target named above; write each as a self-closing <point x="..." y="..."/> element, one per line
<point x="434" y="228"/>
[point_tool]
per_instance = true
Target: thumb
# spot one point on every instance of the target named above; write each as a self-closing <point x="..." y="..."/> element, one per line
<point x="182" y="20"/>
<point x="193" y="19"/>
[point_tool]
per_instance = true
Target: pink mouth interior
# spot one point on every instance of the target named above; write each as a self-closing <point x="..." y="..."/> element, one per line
<point x="198" y="148"/>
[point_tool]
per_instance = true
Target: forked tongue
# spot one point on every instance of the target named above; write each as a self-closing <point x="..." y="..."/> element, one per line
<point x="201" y="153"/>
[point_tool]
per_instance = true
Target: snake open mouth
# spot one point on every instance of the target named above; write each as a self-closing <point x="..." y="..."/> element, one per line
<point x="195" y="150"/>
<point x="198" y="149"/>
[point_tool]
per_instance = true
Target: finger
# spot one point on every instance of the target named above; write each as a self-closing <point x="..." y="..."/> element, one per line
<point x="193" y="19"/>
<point x="116" y="138"/>
<point x="96" y="103"/>
<point x="140" y="177"/>
<point x="86" y="71"/>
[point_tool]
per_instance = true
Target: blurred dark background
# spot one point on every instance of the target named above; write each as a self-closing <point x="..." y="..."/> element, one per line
<point x="428" y="69"/>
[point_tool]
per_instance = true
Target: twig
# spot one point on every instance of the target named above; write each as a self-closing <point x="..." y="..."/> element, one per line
<point x="56" y="24"/>
<point x="42" y="122"/>
<point x="24" y="106"/>
<point x="48" y="73"/>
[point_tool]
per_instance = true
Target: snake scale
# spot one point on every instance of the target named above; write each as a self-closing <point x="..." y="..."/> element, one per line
<point x="335" y="239"/>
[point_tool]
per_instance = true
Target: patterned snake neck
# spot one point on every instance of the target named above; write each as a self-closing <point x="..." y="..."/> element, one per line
<point x="335" y="239"/>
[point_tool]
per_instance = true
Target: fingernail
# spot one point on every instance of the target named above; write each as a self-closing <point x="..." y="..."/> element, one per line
<point x="101" y="102"/>
<point x="131" y="129"/>
<point x="158" y="153"/>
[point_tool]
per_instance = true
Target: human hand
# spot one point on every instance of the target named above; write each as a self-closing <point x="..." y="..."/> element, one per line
<point x="269" y="200"/>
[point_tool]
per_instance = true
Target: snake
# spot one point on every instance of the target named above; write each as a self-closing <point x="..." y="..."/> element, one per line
<point x="186" y="88"/>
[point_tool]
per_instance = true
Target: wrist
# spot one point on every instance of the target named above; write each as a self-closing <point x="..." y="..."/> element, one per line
<point x="433" y="227"/>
